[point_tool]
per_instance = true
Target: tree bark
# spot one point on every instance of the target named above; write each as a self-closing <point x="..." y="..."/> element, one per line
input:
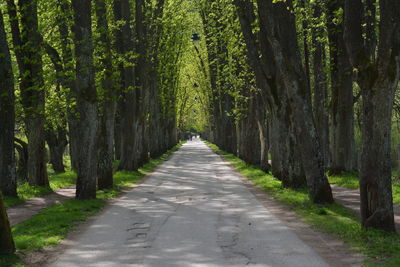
<point x="69" y="80"/>
<point x="86" y="96"/>
<point x="287" y="58"/>
<point x="108" y="109"/>
<point x="26" y="42"/>
<point x="57" y="142"/>
<point x="8" y="183"/>
<point x="286" y="163"/>
<point x="129" y="124"/>
<point x="142" y="86"/>
<point x="378" y="79"/>
<point x="7" y="245"/>
<point x="22" y="164"/>
<point x="343" y="145"/>
<point x="321" y="114"/>
<point x="263" y="129"/>
<point x="57" y="138"/>
<point x="249" y="144"/>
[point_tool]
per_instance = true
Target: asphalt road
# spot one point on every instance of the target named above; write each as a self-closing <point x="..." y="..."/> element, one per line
<point x="193" y="211"/>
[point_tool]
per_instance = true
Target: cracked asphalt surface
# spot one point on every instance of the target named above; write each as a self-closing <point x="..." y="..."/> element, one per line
<point x="192" y="211"/>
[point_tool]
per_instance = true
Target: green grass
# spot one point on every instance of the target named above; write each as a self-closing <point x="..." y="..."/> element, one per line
<point x="383" y="249"/>
<point x="350" y="180"/>
<point x="50" y="226"/>
<point x="56" y="181"/>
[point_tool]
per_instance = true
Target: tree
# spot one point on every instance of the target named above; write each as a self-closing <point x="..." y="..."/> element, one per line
<point x="8" y="183"/>
<point x="86" y="98"/>
<point x="286" y="54"/>
<point x="27" y="43"/>
<point x="7" y="245"/>
<point x="128" y="106"/>
<point x="63" y="19"/>
<point x="56" y="125"/>
<point x="320" y="103"/>
<point x="377" y="74"/>
<point x="343" y="144"/>
<point x="108" y="103"/>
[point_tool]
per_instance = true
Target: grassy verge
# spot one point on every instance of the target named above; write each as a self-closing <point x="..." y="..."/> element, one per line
<point x="50" y="226"/>
<point x="350" y="180"/>
<point x="383" y="249"/>
<point x="56" y="181"/>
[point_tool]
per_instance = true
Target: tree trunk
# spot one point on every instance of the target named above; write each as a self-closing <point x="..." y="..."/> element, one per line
<point x="57" y="141"/>
<point x="262" y="123"/>
<point x="129" y="124"/>
<point x="107" y="120"/>
<point x="296" y="176"/>
<point x="343" y="146"/>
<point x="86" y="96"/>
<point x="8" y="183"/>
<point x="249" y="145"/>
<point x="22" y="164"/>
<point x="378" y="79"/>
<point x="286" y="53"/>
<point x="73" y="137"/>
<point x="117" y="132"/>
<point x="32" y="93"/>
<point x="7" y="245"/>
<point x="37" y="167"/>
<point x="69" y="80"/>
<point x="106" y="147"/>
<point x="57" y="138"/>
<point x="375" y="176"/>
<point x="320" y="87"/>
<point x="143" y="88"/>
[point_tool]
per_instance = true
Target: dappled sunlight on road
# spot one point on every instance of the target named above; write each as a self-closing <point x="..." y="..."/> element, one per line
<point x="192" y="211"/>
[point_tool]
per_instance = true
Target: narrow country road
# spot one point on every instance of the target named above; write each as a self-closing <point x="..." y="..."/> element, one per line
<point x="193" y="211"/>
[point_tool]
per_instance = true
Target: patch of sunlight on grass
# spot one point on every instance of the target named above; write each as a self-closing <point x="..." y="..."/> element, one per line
<point x="51" y="225"/>
<point x="348" y="180"/>
<point x="57" y="181"/>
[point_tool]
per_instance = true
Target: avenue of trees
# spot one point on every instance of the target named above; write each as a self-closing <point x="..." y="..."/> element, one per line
<point x="96" y="77"/>
<point x="304" y="81"/>
<point x="286" y="85"/>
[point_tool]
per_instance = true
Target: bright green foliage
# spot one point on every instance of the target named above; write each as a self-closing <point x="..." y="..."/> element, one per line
<point x="213" y="68"/>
